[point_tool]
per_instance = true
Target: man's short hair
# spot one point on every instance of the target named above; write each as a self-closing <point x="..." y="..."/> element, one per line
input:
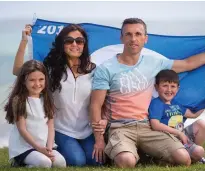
<point x="134" y="21"/>
<point x="167" y="76"/>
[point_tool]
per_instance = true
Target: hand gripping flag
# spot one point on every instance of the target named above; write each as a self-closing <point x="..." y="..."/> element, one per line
<point x="104" y="41"/>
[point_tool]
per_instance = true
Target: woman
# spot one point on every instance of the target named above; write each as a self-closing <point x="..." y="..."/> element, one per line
<point x="70" y="73"/>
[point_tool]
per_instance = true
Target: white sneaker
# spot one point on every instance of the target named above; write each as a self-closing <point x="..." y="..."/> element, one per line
<point x="202" y="161"/>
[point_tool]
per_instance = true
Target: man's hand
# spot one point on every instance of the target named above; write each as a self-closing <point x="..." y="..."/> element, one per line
<point x="98" y="151"/>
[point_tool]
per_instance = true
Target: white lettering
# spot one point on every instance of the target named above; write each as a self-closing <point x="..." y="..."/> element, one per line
<point x="132" y="81"/>
<point x="42" y="30"/>
<point x="51" y="29"/>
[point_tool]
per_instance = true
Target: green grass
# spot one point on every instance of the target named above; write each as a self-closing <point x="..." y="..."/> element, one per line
<point x="4" y="166"/>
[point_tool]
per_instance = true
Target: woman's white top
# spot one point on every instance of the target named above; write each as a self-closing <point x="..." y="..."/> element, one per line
<point x="36" y="125"/>
<point x="72" y="102"/>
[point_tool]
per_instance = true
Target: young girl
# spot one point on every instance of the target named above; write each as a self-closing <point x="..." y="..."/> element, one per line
<point x="30" y="108"/>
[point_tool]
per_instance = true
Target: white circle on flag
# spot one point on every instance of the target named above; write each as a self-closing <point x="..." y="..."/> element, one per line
<point x="107" y="52"/>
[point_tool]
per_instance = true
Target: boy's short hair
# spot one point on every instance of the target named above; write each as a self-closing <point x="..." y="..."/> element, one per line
<point x="167" y="76"/>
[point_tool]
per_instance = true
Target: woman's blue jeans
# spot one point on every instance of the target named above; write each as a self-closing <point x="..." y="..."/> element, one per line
<point x="77" y="152"/>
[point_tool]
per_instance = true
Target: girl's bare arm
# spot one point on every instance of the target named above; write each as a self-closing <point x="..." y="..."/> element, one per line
<point x="19" y="58"/>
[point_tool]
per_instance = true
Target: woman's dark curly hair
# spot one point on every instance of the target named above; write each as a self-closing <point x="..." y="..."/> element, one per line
<point x="56" y="61"/>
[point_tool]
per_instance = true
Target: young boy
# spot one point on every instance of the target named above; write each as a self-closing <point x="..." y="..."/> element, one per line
<point x="167" y="115"/>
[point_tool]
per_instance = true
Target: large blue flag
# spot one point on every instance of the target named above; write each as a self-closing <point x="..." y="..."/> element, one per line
<point x="107" y="39"/>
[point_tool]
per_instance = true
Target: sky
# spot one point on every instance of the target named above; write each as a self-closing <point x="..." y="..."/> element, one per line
<point x="157" y="15"/>
<point x="97" y="10"/>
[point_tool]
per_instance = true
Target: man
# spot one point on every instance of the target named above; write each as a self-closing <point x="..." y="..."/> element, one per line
<point x="122" y="91"/>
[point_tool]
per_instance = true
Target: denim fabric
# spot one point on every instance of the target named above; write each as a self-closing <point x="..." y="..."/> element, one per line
<point x="77" y="152"/>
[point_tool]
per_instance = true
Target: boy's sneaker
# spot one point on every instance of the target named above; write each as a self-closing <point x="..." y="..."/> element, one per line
<point x="202" y="161"/>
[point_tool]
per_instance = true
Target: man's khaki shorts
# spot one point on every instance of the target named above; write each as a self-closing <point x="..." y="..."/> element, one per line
<point x="141" y="136"/>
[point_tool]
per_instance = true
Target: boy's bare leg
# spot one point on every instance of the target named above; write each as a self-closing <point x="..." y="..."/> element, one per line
<point x="198" y="130"/>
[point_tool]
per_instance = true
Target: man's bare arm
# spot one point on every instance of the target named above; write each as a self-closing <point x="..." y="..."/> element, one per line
<point x="97" y="100"/>
<point x="190" y="63"/>
<point x="190" y="114"/>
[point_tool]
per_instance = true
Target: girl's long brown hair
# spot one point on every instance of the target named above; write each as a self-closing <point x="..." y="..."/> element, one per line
<point x="16" y="105"/>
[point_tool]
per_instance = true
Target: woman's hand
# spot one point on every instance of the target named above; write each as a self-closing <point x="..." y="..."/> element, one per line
<point x="100" y="126"/>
